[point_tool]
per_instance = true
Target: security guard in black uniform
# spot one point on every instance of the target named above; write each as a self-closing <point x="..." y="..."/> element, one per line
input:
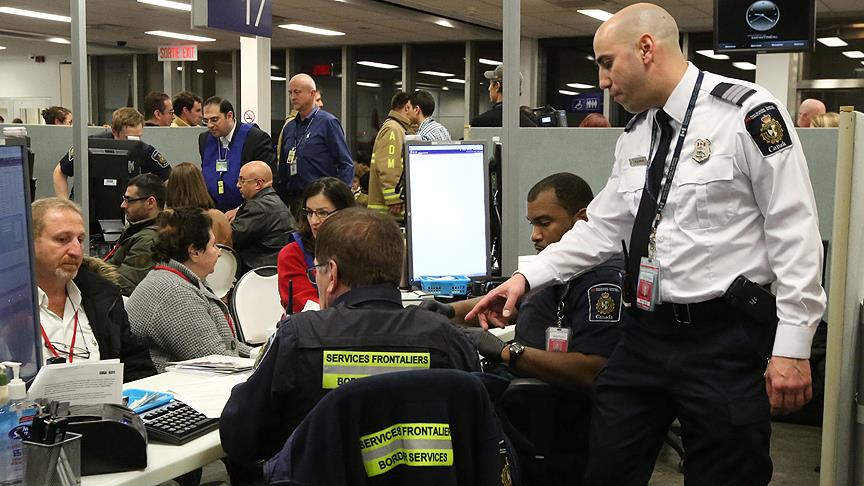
<point x="125" y="122"/>
<point x="711" y="186"/>
<point x="361" y="330"/>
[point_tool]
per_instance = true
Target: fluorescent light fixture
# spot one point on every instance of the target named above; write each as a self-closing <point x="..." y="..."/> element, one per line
<point x="379" y="65"/>
<point x="368" y="85"/>
<point x="176" y="35"/>
<point x="854" y="54"/>
<point x="168" y="4"/>
<point x="568" y="93"/>
<point x="199" y="71"/>
<point x="457" y="81"/>
<point x="832" y="42"/>
<point x="179" y="68"/>
<point x="274" y="67"/>
<point x="437" y="73"/>
<point x="278" y="78"/>
<point x="443" y="88"/>
<point x="598" y="14"/>
<point x="489" y="62"/>
<point x="746" y="66"/>
<point x="2" y="47"/>
<point x="311" y="30"/>
<point x="445" y="23"/>
<point x="590" y="58"/>
<point x="34" y="14"/>
<point x="710" y="54"/>
<point x="580" y="85"/>
<point x="58" y="40"/>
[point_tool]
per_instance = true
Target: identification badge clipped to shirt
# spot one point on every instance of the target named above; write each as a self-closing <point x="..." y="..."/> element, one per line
<point x="221" y="165"/>
<point x="292" y="160"/>
<point x="648" y="285"/>
<point x="558" y="339"/>
<point x="220" y="186"/>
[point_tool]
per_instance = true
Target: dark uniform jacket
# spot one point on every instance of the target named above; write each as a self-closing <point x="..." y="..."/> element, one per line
<point x="262" y="227"/>
<point x="593" y="311"/>
<point x="133" y="255"/>
<point x="494" y="117"/>
<point x="365" y="332"/>
<point x="103" y="304"/>
<point x="434" y="427"/>
<point x="154" y="162"/>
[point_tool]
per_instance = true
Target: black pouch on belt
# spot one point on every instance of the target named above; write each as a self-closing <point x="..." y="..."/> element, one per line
<point x="753" y="299"/>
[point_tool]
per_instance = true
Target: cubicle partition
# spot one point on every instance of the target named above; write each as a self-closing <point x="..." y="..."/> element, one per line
<point x="588" y="153"/>
<point x="50" y="143"/>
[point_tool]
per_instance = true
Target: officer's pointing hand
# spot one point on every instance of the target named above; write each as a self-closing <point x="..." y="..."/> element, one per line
<point x="788" y="383"/>
<point x="499" y="304"/>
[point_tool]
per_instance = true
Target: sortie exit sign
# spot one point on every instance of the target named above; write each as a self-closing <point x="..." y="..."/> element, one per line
<point x="178" y="53"/>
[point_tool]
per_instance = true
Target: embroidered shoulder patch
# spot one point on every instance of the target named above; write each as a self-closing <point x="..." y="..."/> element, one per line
<point x="159" y="158"/>
<point x="767" y="129"/>
<point x="604" y="303"/>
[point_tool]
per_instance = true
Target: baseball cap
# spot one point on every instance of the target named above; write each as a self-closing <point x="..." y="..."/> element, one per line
<point x="496" y="74"/>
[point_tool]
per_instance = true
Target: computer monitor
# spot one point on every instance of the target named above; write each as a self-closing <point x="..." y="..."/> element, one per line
<point x="764" y="25"/>
<point x="447" y="192"/>
<point x="112" y="163"/>
<point x="20" y="338"/>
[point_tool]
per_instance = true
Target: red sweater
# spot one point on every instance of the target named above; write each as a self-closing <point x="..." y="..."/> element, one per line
<point x="291" y="266"/>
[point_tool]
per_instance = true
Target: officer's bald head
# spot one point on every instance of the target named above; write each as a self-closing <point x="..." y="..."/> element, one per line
<point x="303" y="80"/>
<point x="302" y="91"/>
<point x="639" y="58"/>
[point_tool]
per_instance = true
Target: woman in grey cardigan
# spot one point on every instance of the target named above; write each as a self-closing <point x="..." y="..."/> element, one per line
<point x="172" y="309"/>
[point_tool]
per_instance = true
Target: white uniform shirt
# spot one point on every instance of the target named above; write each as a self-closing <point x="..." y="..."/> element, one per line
<point x="738" y="213"/>
<point x="60" y="330"/>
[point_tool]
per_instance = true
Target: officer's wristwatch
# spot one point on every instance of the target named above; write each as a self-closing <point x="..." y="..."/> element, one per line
<point x="516" y="351"/>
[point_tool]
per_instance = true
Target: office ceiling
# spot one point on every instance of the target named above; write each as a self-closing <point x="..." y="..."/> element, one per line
<point x="364" y="21"/>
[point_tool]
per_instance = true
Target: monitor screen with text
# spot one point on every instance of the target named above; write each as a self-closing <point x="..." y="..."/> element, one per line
<point x="447" y="213"/>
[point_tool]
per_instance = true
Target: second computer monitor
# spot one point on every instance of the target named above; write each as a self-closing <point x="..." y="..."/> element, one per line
<point x="447" y="188"/>
<point x="112" y="163"/>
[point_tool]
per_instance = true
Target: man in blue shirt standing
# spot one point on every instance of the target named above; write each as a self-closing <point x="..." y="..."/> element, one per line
<point x="312" y="144"/>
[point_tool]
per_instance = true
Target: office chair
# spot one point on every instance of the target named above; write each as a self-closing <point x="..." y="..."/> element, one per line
<point x="221" y="281"/>
<point x="255" y="304"/>
<point x="424" y="427"/>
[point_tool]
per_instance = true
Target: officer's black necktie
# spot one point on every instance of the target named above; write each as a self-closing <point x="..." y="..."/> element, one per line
<point x="648" y="202"/>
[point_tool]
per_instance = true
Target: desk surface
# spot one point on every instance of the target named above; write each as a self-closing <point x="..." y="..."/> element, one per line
<point x="164" y="461"/>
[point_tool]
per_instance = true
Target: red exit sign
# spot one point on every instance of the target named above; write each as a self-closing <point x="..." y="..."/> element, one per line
<point x="178" y="53"/>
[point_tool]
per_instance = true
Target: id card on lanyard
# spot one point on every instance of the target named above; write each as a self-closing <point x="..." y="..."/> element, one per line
<point x="221" y="168"/>
<point x="648" y="283"/>
<point x="558" y="337"/>
<point x="291" y="159"/>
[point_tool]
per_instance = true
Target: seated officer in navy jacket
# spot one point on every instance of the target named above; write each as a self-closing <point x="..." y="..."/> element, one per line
<point x="361" y="330"/>
<point x="590" y="306"/>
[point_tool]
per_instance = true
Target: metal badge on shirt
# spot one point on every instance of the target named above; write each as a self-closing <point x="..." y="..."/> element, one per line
<point x="702" y="150"/>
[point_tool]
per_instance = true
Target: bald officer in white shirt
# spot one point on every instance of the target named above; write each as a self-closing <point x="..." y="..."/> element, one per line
<point x="739" y="202"/>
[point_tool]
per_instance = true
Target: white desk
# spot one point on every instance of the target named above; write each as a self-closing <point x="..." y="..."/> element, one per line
<point x="164" y="461"/>
<point x="505" y="334"/>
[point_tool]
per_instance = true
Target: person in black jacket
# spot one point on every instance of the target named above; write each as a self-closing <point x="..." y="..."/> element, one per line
<point x="262" y="225"/>
<point x="225" y="149"/>
<point x="81" y="311"/>
<point x="361" y="330"/>
<point x="494" y="117"/>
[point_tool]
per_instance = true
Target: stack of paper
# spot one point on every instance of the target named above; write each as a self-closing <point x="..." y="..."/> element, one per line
<point x="216" y="364"/>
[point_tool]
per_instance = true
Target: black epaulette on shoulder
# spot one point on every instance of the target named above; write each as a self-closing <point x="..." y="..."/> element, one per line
<point x="733" y="93"/>
<point x="634" y="120"/>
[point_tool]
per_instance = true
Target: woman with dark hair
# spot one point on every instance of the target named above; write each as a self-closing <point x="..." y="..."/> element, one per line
<point x="172" y="309"/>
<point x="321" y="198"/>
<point x="57" y="115"/>
<point x="186" y="189"/>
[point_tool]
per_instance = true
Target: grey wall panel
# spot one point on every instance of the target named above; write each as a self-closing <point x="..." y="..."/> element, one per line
<point x="50" y="144"/>
<point x="588" y="153"/>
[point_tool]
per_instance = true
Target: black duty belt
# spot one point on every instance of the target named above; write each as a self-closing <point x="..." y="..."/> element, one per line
<point x="710" y="310"/>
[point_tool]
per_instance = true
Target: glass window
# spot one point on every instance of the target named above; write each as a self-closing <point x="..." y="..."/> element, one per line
<point x="830" y="62"/>
<point x="115" y="86"/>
<point x="734" y="65"/>
<point x="278" y="88"/>
<point x="379" y="76"/>
<point x="571" y="78"/>
<point x="209" y="76"/>
<point x="440" y="69"/>
<point x="489" y="54"/>
<point x="325" y="67"/>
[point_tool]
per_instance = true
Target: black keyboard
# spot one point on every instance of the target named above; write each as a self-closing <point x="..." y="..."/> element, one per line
<point x="177" y="423"/>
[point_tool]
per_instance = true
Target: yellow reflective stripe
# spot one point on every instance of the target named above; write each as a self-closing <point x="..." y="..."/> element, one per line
<point x="340" y="367"/>
<point x="410" y="444"/>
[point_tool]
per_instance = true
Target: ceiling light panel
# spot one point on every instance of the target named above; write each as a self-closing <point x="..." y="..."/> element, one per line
<point x="437" y="73"/>
<point x="34" y="14"/>
<point x="600" y="15"/>
<point x="168" y="4"/>
<point x="832" y="42"/>
<point x="379" y="65"/>
<point x="177" y="35"/>
<point x="311" y="30"/>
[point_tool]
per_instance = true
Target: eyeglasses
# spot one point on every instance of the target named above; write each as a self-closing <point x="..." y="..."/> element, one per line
<point x="128" y="199"/>
<point x="322" y="214"/>
<point x="63" y="350"/>
<point x="241" y="180"/>
<point x="312" y="272"/>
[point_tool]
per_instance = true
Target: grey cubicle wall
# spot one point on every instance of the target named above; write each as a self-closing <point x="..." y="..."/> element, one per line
<point x="588" y="153"/>
<point x="50" y="144"/>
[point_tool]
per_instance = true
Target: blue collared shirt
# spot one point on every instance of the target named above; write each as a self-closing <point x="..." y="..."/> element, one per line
<point x="320" y="151"/>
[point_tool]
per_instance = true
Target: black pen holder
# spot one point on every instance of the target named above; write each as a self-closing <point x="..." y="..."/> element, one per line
<point x="56" y="464"/>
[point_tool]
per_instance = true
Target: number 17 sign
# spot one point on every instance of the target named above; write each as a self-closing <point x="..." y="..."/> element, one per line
<point x="250" y="17"/>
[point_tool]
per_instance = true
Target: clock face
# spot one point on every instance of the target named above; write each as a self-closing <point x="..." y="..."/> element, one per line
<point x="763" y="15"/>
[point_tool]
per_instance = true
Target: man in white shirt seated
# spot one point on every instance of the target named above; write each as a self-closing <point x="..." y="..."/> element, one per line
<point x="80" y="306"/>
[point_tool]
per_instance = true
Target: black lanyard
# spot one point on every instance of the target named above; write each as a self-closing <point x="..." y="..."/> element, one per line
<point x="673" y="165"/>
